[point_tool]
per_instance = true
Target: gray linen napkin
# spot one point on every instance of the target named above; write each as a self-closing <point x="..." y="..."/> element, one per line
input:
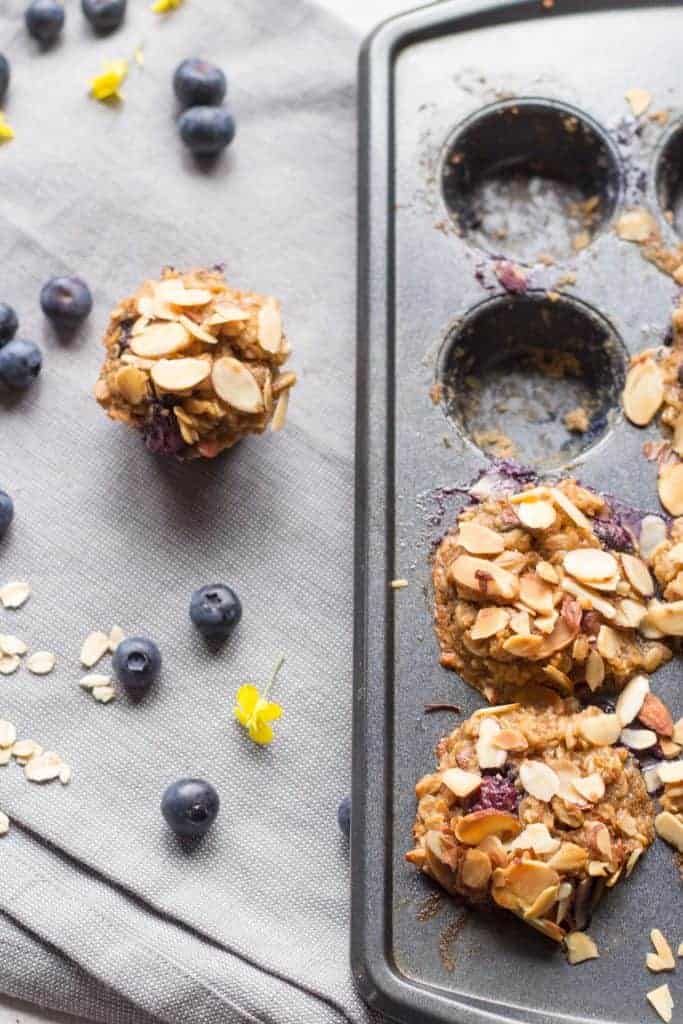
<point x="102" y="911"/>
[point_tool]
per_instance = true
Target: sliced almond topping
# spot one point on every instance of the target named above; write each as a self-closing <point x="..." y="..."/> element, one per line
<point x="580" y="947"/>
<point x="44" y="767"/>
<point x="545" y="623"/>
<point x="94" y="647"/>
<point x="485" y="578"/>
<point x="8" y="734"/>
<point x="638" y="100"/>
<point x="494" y="709"/>
<point x="608" y="643"/>
<point x="280" y="414"/>
<point x="638" y="575"/>
<point x="234" y="383"/>
<point x="460" y="782"/>
<point x="536" y="593"/>
<point x="226" y="314"/>
<point x="671" y="771"/>
<point x="520" y="623"/>
<point x="131" y="384"/>
<point x="12" y="645"/>
<point x="590" y="565"/>
<point x="535" y="837"/>
<point x="473" y="828"/>
<point x="41" y="663"/>
<point x="678" y="731"/>
<point x="5" y="755"/>
<point x="116" y="635"/>
<point x="476" y="869"/>
<point x="480" y="540"/>
<point x="636" y="225"/>
<point x="571" y="511"/>
<point x="667" y="618"/>
<point x="601" y="730"/>
<point x="94" y="679"/>
<point x="9" y="663"/>
<point x="24" y="750"/>
<point x="595" y="670"/>
<point x="590" y="787"/>
<point x="633" y="859"/>
<point x="663" y="949"/>
<point x="510" y="739"/>
<point x="638" y="739"/>
<point x="197" y="332"/>
<point x="488" y="755"/>
<point x="536" y="515"/>
<point x="14" y="594"/>
<point x="588" y="600"/>
<point x="629" y="614"/>
<point x="270" y="326"/>
<point x="103" y="694"/>
<point x="532" y="494"/>
<point x="644" y="392"/>
<point x="652" y="534"/>
<point x="174" y="292"/>
<point x="160" y="339"/>
<point x="670" y="827"/>
<point x="547" y="572"/>
<point x="488" y="622"/>
<point x="180" y="374"/>
<point x="661" y="1001"/>
<point x="631" y="699"/>
<point x="569" y="857"/>
<point x="670" y="487"/>
<point x="524" y="646"/>
<point x="559" y="679"/>
<point x="539" y="780"/>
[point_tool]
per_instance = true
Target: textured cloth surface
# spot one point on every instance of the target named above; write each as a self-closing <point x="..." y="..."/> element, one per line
<point x="102" y="911"/>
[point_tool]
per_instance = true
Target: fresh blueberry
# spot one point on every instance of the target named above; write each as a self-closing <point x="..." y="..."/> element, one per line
<point x="6" y="512"/>
<point x="20" y="363"/>
<point x="66" y="300"/>
<point x="136" y="662"/>
<point x="206" y="130"/>
<point x="104" y="15"/>
<point x="8" y="323"/>
<point x="215" y="610"/>
<point x="45" y="20"/>
<point x="197" y="83"/>
<point x="190" y="806"/>
<point x="4" y="75"/>
<point x="344" y="816"/>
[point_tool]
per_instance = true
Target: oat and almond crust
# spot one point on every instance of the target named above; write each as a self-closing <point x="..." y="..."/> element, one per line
<point x="195" y="364"/>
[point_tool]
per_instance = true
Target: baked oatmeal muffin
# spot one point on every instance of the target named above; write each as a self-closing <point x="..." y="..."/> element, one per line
<point x="526" y="591"/>
<point x="533" y="809"/>
<point x="194" y="364"/>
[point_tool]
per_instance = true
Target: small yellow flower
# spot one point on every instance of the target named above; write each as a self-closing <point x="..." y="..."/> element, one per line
<point x="163" y="6"/>
<point x="254" y="711"/>
<point x="105" y="86"/>
<point x="6" y="130"/>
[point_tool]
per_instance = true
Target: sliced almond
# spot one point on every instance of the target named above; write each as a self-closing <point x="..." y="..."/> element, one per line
<point x="116" y="635"/>
<point x="488" y="622"/>
<point x="8" y="733"/>
<point x="638" y="100"/>
<point x="667" y="618"/>
<point x="94" y="679"/>
<point x="547" y="572"/>
<point x="488" y="755"/>
<point x="197" y="332"/>
<point x="524" y="646"/>
<point x="9" y="663"/>
<point x="226" y="314"/>
<point x="580" y="947"/>
<point x="176" y="375"/>
<point x="103" y="694"/>
<point x="539" y="780"/>
<point x="660" y="1000"/>
<point x="595" y="670"/>
<point x="535" y="837"/>
<point x="678" y="731"/>
<point x="536" y="515"/>
<point x="536" y="593"/>
<point x="652" y="534"/>
<point x="65" y="774"/>
<point x="510" y="740"/>
<point x="41" y="663"/>
<point x="131" y="384"/>
<point x="629" y="614"/>
<point x="270" y="326"/>
<point x="569" y="857"/>
<point x="677" y="438"/>
<point x="160" y="339"/>
<point x="24" y="750"/>
<point x="480" y="540"/>
<point x="545" y="623"/>
<point x="94" y="647"/>
<point x="587" y="599"/>
<point x="494" y="710"/>
<point x="461" y="783"/>
<point x="5" y="756"/>
<point x="476" y="869"/>
<point x="644" y="392"/>
<point x="520" y="623"/>
<point x="234" y="383"/>
<point x="608" y="643"/>
<point x="14" y="594"/>
<point x="663" y="948"/>
<point x="670" y="827"/>
<point x="600" y="730"/>
<point x="475" y="827"/>
<point x="670" y="487"/>
<point x="571" y="511"/>
<point x="280" y="414"/>
<point x="12" y="645"/>
<point x="483" y="577"/>
<point x="631" y="698"/>
<point x="173" y="292"/>
<point x="44" y="767"/>
<point x="638" y="575"/>
<point x="671" y="772"/>
<point x="638" y="739"/>
<point x="590" y="565"/>
<point x="590" y="787"/>
<point x="636" y="225"/>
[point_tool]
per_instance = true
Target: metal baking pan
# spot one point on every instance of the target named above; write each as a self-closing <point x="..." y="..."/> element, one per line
<point x="452" y="98"/>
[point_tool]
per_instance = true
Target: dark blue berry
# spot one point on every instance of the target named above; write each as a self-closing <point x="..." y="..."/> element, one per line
<point x="6" y="512"/>
<point x="190" y="806"/>
<point x="206" y="130"/>
<point x="45" y="20"/>
<point x="344" y="816"/>
<point x="496" y="792"/>
<point x="8" y="323"/>
<point x="161" y="432"/>
<point x="66" y="300"/>
<point x="137" y="662"/>
<point x="104" y="15"/>
<point x="197" y="83"/>
<point x="20" y="363"/>
<point x="4" y="75"/>
<point x="215" y="610"/>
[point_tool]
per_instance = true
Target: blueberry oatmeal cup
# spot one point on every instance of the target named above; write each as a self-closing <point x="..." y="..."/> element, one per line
<point x="195" y="365"/>
<point x="534" y="809"/>
<point x="529" y="589"/>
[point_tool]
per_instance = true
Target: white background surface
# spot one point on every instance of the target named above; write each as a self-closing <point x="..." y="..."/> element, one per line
<point x="363" y="15"/>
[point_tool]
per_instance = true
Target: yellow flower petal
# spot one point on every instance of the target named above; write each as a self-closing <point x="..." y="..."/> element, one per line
<point x="105" y="86"/>
<point x="6" y="130"/>
<point x="247" y="699"/>
<point x="260" y="732"/>
<point x="162" y="6"/>
<point x="270" y="712"/>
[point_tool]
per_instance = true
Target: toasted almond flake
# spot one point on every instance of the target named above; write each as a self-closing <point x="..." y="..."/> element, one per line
<point x="638" y="739"/>
<point x="536" y="515"/>
<point x="571" y="511"/>
<point x="669" y="748"/>
<point x="663" y="949"/>
<point x="8" y="733"/>
<point x="524" y="646"/>
<point x="678" y="731"/>
<point x="234" y="384"/>
<point x="680" y="949"/>
<point x="280" y="414"/>
<point x="633" y="859"/>
<point x="9" y="663"/>
<point x="44" y="767"/>
<point x="270" y="326"/>
<point x="160" y="339"/>
<point x="510" y="739"/>
<point x="587" y="599"/>
<point x="399" y="584"/>
<point x="590" y="565"/>
<point x="480" y="540"/>
<point x="95" y="646"/>
<point x="225" y="314"/>
<point x="520" y="622"/>
<point x="667" y="618"/>
<point x="41" y="663"/>
<point x="24" y="750"/>
<point x="629" y="614"/>
<point x="532" y="494"/>
<point x="675" y="554"/>
<point x="488" y="622"/>
<point x="651" y="779"/>
<point x="131" y="384"/>
<point x="116" y="635"/>
<point x="539" y="780"/>
<point x="173" y="293"/>
<point x="94" y="679"/>
<point x="608" y="643"/>
<point x="638" y="575"/>
<point x="476" y="869"/>
<point x="489" y="756"/>
<point x="545" y="623"/>
<point x="4" y="824"/>
<point x="473" y="828"/>
<point x="12" y="645"/>
<point x="638" y="100"/>
<point x="580" y="947"/>
<point x="103" y="694"/>
<point x="661" y="1001"/>
<point x="65" y="774"/>
<point x="590" y="787"/>
<point x="636" y="225"/>
<point x="181" y="374"/>
<point x="595" y="669"/>
<point x="654" y="963"/>
<point x="670" y="827"/>
<point x="495" y="710"/>
<point x="643" y="392"/>
<point x="670" y="487"/>
<point x="652" y="534"/>
<point x="197" y="332"/>
<point x="631" y="698"/>
<point x="601" y="730"/>
<point x="671" y="771"/>
<point x="14" y="594"/>
<point x="536" y="593"/>
<point x="483" y="577"/>
<point x="460" y="782"/>
<point x="535" y="837"/>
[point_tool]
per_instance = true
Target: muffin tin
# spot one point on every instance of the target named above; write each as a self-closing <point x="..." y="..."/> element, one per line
<point x="497" y="152"/>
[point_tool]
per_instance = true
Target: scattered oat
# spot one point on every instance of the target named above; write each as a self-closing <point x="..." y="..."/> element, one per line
<point x="580" y="947"/>
<point x="14" y="594"/>
<point x="4" y="824"/>
<point x="638" y="100"/>
<point x="9" y="663"/>
<point x="95" y="646"/>
<point x="398" y="584"/>
<point x="116" y="635"/>
<point x="12" y="645"/>
<point x="24" y="750"/>
<point x="44" y="767"/>
<point x="41" y="663"/>
<point x="103" y="694"/>
<point x="661" y="1001"/>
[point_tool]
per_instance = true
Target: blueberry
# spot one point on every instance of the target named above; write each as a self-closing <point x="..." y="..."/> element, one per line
<point x="497" y="792"/>
<point x="45" y="20"/>
<point x="104" y="15"/>
<point x="8" y="323"/>
<point x="66" y="300"/>
<point x="206" y="130"/>
<point x="215" y="610"/>
<point x="6" y="512"/>
<point x="20" y="363"/>
<point x="4" y="75"/>
<point x="161" y="432"/>
<point x="136" y="662"/>
<point x="344" y="816"/>
<point x="190" y="806"/>
<point x="197" y="83"/>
